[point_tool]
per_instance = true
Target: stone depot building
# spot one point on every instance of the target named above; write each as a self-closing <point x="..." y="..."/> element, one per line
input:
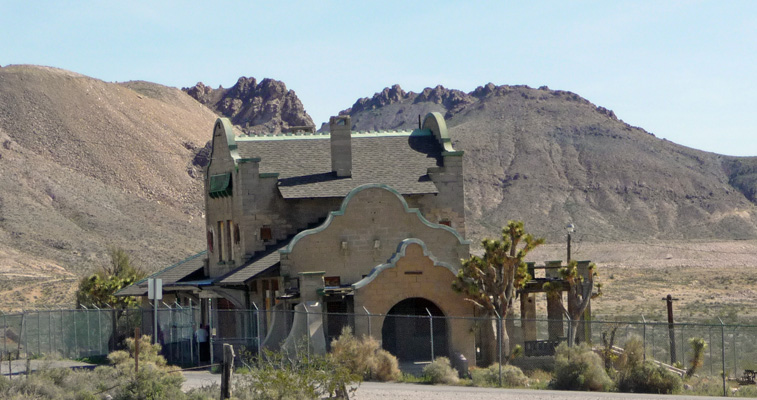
<point x="332" y="224"/>
<point x="325" y="230"/>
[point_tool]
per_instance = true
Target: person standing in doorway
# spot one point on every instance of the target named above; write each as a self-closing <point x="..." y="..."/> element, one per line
<point x="201" y="336"/>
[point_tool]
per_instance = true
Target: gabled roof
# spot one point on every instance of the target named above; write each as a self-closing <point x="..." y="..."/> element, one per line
<point x="170" y="275"/>
<point x="257" y="265"/>
<point x="400" y="159"/>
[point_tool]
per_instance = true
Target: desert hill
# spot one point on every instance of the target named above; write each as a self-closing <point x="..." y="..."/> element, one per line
<point x="550" y="157"/>
<point x="86" y="164"/>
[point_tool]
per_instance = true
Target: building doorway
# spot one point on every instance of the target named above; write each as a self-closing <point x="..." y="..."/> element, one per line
<point x="407" y="331"/>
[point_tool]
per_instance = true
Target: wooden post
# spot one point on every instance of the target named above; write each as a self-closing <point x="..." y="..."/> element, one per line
<point x="136" y="349"/>
<point x="228" y="367"/>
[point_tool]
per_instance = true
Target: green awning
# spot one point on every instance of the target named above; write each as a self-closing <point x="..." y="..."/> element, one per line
<point x="220" y="185"/>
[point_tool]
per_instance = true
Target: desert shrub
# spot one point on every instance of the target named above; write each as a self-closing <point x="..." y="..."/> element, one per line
<point x="538" y="378"/>
<point x="639" y="376"/>
<point x="440" y="371"/>
<point x="386" y="367"/>
<point x="365" y="357"/>
<point x="295" y="376"/>
<point x="647" y="377"/>
<point x="512" y="376"/>
<point x="579" y="368"/>
<point x="154" y="380"/>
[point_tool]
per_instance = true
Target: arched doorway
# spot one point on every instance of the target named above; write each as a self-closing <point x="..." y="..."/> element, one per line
<point x="407" y="332"/>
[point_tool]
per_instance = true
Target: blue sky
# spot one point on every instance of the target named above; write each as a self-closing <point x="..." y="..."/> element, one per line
<point x="684" y="71"/>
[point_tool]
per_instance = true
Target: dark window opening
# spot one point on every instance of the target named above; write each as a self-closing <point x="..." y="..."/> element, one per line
<point x="265" y="233"/>
<point x="445" y="222"/>
<point x="332" y="281"/>
<point x="236" y="234"/>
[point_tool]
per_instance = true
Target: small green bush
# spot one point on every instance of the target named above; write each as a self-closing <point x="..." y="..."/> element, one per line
<point x="579" y="368"/>
<point x="649" y="378"/>
<point x="512" y="376"/>
<point x="299" y="375"/>
<point x="440" y="371"/>
<point x="635" y="375"/>
<point x="365" y="357"/>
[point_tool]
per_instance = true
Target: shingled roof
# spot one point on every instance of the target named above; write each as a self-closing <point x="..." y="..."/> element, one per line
<point x="400" y="159"/>
<point x="170" y="275"/>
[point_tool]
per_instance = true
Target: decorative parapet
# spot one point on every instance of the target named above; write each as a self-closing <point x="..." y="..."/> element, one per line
<point x="401" y="249"/>
<point x="346" y="201"/>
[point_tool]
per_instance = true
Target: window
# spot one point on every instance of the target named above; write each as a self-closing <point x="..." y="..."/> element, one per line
<point x="227" y="240"/>
<point x="236" y="234"/>
<point x="332" y="281"/>
<point x="445" y="222"/>
<point x="220" y="241"/>
<point x="265" y="233"/>
<point x="210" y="240"/>
<point x="254" y="287"/>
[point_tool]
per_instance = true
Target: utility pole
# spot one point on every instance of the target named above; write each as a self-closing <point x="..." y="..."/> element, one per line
<point x="671" y="329"/>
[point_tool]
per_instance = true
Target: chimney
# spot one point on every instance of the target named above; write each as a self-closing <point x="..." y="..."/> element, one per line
<point x="341" y="146"/>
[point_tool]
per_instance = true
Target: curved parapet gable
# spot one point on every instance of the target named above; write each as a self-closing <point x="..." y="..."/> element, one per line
<point x="401" y="249"/>
<point x="434" y="121"/>
<point x="345" y="203"/>
<point x="223" y="129"/>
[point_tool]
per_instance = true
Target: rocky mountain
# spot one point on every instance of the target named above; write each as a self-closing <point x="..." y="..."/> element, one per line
<point x="86" y="164"/>
<point x="550" y="157"/>
<point x="265" y="107"/>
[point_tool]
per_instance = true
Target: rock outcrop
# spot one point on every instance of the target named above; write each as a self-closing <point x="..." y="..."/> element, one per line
<point x="264" y="107"/>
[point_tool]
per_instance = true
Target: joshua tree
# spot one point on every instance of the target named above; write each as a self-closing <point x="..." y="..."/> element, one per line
<point x="490" y="282"/>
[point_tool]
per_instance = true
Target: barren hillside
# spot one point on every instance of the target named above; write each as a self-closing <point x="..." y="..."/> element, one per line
<point x="86" y="164"/>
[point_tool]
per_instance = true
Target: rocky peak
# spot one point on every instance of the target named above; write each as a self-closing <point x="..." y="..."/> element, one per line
<point x="267" y="106"/>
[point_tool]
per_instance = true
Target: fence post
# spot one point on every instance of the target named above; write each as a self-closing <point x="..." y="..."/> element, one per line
<point x="709" y="331"/>
<point x="191" y="334"/>
<point x="431" y="327"/>
<point x="210" y="329"/>
<point x="22" y="335"/>
<point x="137" y="336"/>
<point x="307" y="328"/>
<point x="722" y="349"/>
<point x="257" y="333"/>
<point x="89" y="344"/>
<point x="99" y="331"/>
<point x="5" y="333"/>
<point x="51" y="338"/>
<point x="644" y="330"/>
<point x="499" y="345"/>
<point x="370" y="332"/>
<point x="735" y="357"/>
<point x="228" y="363"/>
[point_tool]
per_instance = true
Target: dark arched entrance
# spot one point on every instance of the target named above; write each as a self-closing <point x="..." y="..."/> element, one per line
<point x="407" y="332"/>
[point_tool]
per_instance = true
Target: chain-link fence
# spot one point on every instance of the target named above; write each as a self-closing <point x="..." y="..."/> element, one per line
<point x="91" y="333"/>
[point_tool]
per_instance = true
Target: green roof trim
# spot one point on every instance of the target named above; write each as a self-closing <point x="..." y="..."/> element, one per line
<point x="269" y="175"/>
<point x="326" y="135"/>
<point x="453" y="153"/>
<point x="220" y="185"/>
<point x="251" y="159"/>
<point x="434" y="121"/>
